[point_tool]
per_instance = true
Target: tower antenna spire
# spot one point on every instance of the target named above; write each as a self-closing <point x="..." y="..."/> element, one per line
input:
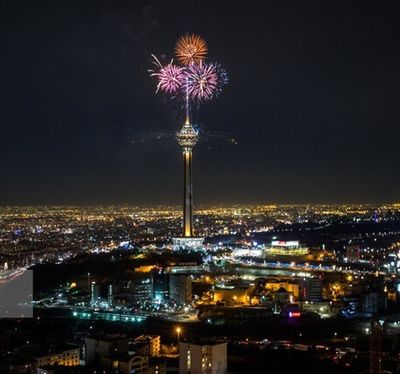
<point x="187" y="120"/>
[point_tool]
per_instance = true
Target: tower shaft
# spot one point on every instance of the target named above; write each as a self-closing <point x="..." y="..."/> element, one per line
<point x="188" y="193"/>
<point x="187" y="138"/>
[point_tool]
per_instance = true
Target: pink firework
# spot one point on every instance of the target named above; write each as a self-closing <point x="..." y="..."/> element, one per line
<point x="170" y="77"/>
<point x="205" y="81"/>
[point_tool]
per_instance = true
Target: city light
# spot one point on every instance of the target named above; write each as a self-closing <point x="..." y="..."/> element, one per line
<point x="178" y="332"/>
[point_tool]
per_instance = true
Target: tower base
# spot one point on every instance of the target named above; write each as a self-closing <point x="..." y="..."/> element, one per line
<point x="192" y="243"/>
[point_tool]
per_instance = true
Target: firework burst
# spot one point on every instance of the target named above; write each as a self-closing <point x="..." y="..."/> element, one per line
<point x="222" y="76"/>
<point x="190" y="48"/>
<point x="194" y="79"/>
<point x="205" y="81"/>
<point x="170" y="77"/>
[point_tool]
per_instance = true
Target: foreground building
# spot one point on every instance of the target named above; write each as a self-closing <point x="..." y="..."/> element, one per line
<point x="151" y="344"/>
<point x="202" y="358"/>
<point x="112" y="353"/>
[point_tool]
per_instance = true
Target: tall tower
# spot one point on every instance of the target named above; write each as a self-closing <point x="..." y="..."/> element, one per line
<point x="187" y="138"/>
<point x="200" y="81"/>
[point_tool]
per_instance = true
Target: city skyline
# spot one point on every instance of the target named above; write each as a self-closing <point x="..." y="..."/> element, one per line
<point x="312" y="104"/>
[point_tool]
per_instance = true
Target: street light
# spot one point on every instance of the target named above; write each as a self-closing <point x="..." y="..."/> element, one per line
<point x="178" y="331"/>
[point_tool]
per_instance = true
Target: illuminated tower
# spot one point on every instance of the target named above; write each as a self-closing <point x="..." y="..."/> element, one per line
<point x="187" y="138"/>
<point x="201" y="81"/>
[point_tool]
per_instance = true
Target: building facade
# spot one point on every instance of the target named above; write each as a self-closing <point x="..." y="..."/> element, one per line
<point x="202" y="358"/>
<point x="180" y="288"/>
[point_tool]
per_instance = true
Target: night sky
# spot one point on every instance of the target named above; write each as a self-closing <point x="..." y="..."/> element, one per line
<point x="313" y="102"/>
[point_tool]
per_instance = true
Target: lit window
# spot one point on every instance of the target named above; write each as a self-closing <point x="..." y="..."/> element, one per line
<point x="189" y="359"/>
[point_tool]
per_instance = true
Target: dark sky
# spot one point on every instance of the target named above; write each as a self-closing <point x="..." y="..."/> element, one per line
<point x="313" y="101"/>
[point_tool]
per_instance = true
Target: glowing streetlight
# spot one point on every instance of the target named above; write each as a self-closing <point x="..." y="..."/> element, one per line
<point x="178" y="331"/>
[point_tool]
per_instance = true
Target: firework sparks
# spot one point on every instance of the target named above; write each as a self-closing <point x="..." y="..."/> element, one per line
<point x="222" y="76"/>
<point x="170" y="77"/>
<point x="205" y="81"/>
<point x="190" y="48"/>
<point x="195" y="79"/>
<point x="202" y="81"/>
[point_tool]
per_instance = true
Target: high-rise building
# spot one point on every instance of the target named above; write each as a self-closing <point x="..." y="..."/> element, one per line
<point x="110" y="295"/>
<point x="180" y="288"/>
<point x="94" y="293"/>
<point x="202" y="358"/>
<point x="313" y="290"/>
<point x="143" y="290"/>
<point x="374" y="302"/>
<point x="160" y="282"/>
